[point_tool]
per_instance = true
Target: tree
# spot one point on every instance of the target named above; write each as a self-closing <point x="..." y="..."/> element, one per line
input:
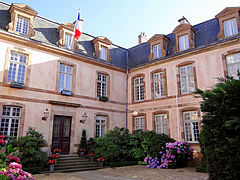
<point x="220" y="135"/>
<point x="83" y="143"/>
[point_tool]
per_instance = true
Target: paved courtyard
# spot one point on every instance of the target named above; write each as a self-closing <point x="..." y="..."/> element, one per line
<point x="128" y="173"/>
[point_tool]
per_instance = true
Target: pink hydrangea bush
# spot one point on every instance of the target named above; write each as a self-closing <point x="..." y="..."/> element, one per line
<point x="173" y="155"/>
<point x="14" y="172"/>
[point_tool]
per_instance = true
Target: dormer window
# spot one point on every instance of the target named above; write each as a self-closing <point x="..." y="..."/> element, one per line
<point x="68" y="41"/>
<point x="157" y="51"/>
<point x="102" y="48"/>
<point x="230" y="27"/>
<point x="183" y="42"/>
<point x="22" y="25"/>
<point x="158" y="46"/>
<point x="22" y="18"/>
<point x="229" y="22"/>
<point x="184" y="35"/>
<point x="103" y="53"/>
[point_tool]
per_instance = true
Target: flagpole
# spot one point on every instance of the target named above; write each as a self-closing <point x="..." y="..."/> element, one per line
<point x="71" y="43"/>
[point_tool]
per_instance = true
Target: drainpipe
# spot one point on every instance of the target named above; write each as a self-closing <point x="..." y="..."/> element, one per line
<point x="178" y="122"/>
<point x="126" y="114"/>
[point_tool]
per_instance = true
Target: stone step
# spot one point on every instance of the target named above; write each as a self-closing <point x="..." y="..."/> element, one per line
<point x="76" y="166"/>
<point x="72" y="160"/>
<point x="74" y="163"/>
<point x="77" y="169"/>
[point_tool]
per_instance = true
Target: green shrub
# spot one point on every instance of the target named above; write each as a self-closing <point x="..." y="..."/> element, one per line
<point x="220" y="135"/>
<point x="32" y="157"/>
<point x="83" y="143"/>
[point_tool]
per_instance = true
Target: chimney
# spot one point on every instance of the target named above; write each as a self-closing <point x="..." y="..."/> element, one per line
<point x="183" y="20"/>
<point x="142" y="38"/>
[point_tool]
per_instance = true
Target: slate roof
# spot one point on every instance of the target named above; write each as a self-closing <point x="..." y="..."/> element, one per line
<point x="46" y="32"/>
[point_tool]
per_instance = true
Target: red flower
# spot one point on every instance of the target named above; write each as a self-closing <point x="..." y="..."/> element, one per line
<point x="101" y="159"/>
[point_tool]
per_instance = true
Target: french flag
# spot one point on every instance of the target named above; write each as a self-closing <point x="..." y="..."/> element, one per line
<point x="78" y="27"/>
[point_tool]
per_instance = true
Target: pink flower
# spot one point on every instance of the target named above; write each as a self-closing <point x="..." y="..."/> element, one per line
<point x="3" y="150"/>
<point x="1" y="136"/>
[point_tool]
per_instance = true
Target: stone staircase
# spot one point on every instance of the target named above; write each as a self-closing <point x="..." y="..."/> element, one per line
<point x="72" y="163"/>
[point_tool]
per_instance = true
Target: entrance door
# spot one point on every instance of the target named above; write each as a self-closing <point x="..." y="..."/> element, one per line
<point x="61" y="133"/>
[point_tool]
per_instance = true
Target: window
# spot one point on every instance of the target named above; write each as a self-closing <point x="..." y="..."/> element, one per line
<point x="161" y="124"/>
<point x="138" y="89"/>
<point x="22" y="25"/>
<point x="183" y="42"/>
<point x="139" y="123"/>
<point x="10" y="121"/>
<point x="101" y="85"/>
<point x="17" y="67"/>
<point x="68" y="41"/>
<point x="233" y="65"/>
<point x="187" y="79"/>
<point x="230" y="27"/>
<point x="190" y="124"/>
<point x="103" y="53"/>
<point x="157" y="51"/>
<point x="65" y="78"/>
<point x="159" y="85"/>
<point x="100" y="126"/>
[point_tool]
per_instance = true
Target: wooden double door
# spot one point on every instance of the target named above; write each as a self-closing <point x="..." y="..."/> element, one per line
<point x="61" y="133"/>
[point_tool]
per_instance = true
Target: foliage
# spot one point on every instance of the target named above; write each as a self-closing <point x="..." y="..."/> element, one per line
<point x="83" y="143"/>
<point x="118" y="145"/>
<point x="173" y="155"/>
<point x="220" y="135"/>
<point x="14" y="171"/>
<point x="30" y="145"/>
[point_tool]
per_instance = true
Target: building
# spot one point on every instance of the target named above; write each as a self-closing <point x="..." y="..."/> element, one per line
<point x="60" y="88"/>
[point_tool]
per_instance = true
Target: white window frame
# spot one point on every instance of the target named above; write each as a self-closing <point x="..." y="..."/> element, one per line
<point x="157" y="51"/>
<point x="161" y="124"/>
<point x="233" y="64"/>
<point x="230" y="27"/>
<point x="11" y="117"/>
<point x="68" y="41"/>
<point x="103" y="53"/>
<point x="65" y="77"/>
<point x="183" y="42"/>
<point x="22" y="25"/>
<point x="138" y="89"/>
<point x="101" y="125"/>
<point x="139" y="123"/>
<point x="18" y="64"/>
<point x="102" y="85"/>
<point x="191" y="126"/>
<point x="186" y="77"/>
<point x="159" y="87"/>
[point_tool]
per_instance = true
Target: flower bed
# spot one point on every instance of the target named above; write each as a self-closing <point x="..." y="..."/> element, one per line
<point x="173" y="155"/>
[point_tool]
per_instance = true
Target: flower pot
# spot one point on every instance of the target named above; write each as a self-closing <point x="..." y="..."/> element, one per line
<point x="101" y="164"/>
<point x="82" y="154"/>
<point x="16" y="85"/>
<point x="51" y="167"/>
<point x="58" y="154"/>
<point x="91" y="159"/>
<point x="66" y="92"/>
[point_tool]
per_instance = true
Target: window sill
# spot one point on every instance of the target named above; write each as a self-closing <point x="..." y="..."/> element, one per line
<point x="103" y="98"/>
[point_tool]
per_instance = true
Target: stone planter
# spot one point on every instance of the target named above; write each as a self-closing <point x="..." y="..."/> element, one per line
<point x="91" y="159"/>
<point x="101" y="163"/>
<point x="81" y="154"/>
<point x="16" y="85"/>
<point x="66" y="92"/>
<point x="51" y="167"/>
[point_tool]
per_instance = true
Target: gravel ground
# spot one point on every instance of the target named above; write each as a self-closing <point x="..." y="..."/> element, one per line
<point x="137" y="172"/>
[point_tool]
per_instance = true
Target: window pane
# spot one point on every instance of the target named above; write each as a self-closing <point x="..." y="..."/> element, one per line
<point x="230" y="27"/>
<point x="191" y="127"/>
<point x="183" y="42"/>
<point x="159" y="85"/>
<point x="101" y="85"/>
<point x="65" y="77"/>
<point x="157" y="51"/>
<point x="100" y="126"/>
<point x="233" y="65"/>
<point x="139" y="123"/>
<point x="22" y="25"/>
<point x="103" y="53"/>
<point x="68" y="41"/>
<point x="161" y="124"/>
<point x="187" y="82"/>
<point x="138" y="89"/>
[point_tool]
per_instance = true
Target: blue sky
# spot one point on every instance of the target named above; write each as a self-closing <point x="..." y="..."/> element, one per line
<point x="122" y="21"/>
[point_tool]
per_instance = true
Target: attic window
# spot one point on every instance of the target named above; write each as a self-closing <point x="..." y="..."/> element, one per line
<point x="22" y="25"/>
<point x="103" y="53"/>
<point x="157" y="51"/>
<point x="183" y="42"/>
<point x="230" y="27"/>
<point x="68" y="41"/>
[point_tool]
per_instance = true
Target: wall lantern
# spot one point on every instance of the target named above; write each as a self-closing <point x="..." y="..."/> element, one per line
<point x="135" y="113"/>
<point x="45" y="114"/>
<point x="84" y="118"/>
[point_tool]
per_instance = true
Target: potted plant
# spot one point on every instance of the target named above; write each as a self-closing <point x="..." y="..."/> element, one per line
<point x="82" y="152"/>
<point x="66" y="92"/>
<point x="57" y="151"/>
<point x="15" y="84"/>
<point x="52" y="161"/>
<point x="103" y="98"/>
<point x="91" y="156"/>
<point x="101" y="160"/>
